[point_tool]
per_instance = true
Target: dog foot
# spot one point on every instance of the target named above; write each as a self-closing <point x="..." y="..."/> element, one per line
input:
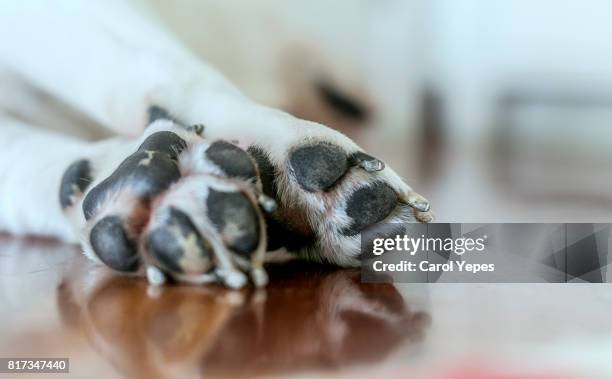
<point x="327" y="189"/>
<point x="191" y="209"/>
<point x="177" y="206"/>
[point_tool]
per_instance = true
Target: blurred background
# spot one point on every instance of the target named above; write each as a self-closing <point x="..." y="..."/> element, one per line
<point x="495" y="110"/>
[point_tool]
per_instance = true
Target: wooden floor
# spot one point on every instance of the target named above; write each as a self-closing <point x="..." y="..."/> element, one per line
<point x="310" y="321"/>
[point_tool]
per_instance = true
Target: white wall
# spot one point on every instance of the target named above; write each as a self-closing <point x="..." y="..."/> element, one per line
<point x="478" y="47"/>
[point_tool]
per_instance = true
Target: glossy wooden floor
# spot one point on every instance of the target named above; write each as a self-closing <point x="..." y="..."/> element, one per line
<point x="310" y="321"/>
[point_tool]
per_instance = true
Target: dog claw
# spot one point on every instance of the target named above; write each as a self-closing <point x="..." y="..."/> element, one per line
<point x="197" y="129"/>
<point x="367" y="162"/>
<point x="232" y="279"/>
<point x="267" y="203"/>
<point x="424" y="217"/>
<point x="417" y="201"/>
<point x="372" y="166"/>
<point x="155" y="276"/>
<point x="259" y="277"/>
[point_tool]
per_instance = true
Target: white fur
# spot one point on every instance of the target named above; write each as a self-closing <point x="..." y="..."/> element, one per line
<point x="109" y="61"/>
<point x="32" y="162"/>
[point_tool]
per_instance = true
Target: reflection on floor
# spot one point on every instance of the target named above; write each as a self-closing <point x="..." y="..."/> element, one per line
<point x="311" y="320"/>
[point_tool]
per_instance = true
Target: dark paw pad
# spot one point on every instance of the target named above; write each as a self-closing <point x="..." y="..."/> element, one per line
<point x="236" y="219"/>
<point x="289" y="229"/>
<point x="75" y="181"/>
<point x="146" y="173"/>
<point x="178" y="246"/>
<point x="112" y="245"/>
<point x="318" y="167"/>
<point x="234" y="161"/>
<point x="158" y="113"/>
<point x="164" y="142"/>
<point x="267" y="171"/>
<point x="369" y="205"/>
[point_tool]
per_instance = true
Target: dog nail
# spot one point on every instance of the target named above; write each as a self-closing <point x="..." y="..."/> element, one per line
<point x="155" y="276"/>
<point x="367" y="162"/>
<point x="373" y="165"/>
<point x="259" y="277"/>
<point x="196" y="128"/>
<point x="416" y="201"/>
<point x="424" y="217"/>
<point x="267" y="203"/>
<point x="232" y="279"/>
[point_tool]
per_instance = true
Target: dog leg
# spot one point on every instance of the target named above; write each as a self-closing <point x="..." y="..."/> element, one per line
<point x="106" y="59"/>
<point x="121" y="68"/>
<point x="32" y="163"/>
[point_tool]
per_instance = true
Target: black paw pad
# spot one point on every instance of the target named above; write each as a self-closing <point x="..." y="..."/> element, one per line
<point x="235" y="218"/>
<point x="75" y="181"/>
<point x="290" y="230"/>
<point x="369" y="205"/>
<point x="285" y="228"/>
<point x="318" y="167"/>
<point x="178" y="246"/>
<point x="112" y="245"/>
<point x="164" y="142"/>
<point x="146" y="173"/>
<point x="158" y="113"/>
<point x="234" y="161"/>
<point x="267" y="171"/>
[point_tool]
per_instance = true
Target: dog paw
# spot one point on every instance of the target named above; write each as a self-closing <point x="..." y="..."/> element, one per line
<point x="175" y="206"/>
<point x="328" y="191"/>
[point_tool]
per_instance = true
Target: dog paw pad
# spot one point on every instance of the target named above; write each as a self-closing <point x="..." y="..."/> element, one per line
<point x="75" y="181"/>
<point x="178" y="246"/>
<point x="232" y="160"/>
<point x="146" y="173"/>
<point x="318" y="167"/>
<point x="236" y="219"/>
<point x="113" y="246"/>
<point x="369" y="205"/>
